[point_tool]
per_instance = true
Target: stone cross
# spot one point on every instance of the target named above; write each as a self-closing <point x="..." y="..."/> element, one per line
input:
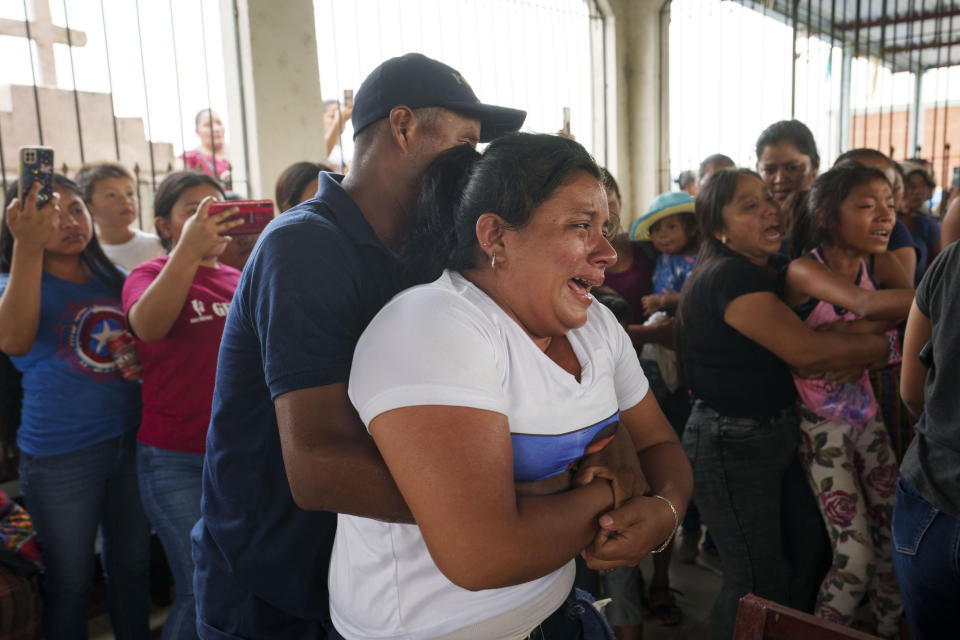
<point x="45" y="34"/>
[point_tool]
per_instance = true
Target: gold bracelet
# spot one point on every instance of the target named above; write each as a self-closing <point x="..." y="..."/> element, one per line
<point x="676" y="525"/>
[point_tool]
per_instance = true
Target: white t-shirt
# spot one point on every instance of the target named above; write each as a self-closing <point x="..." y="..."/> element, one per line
<point x="135" y="251"/>
<point x="448" y="343"/>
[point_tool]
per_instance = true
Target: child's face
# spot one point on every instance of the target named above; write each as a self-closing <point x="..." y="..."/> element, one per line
<point x="74" y="228"/>
<point x="916" y="192"/>
<point x="669" y="235"/>
<point x="866" y="218"/>
<point x="113" y="202"/>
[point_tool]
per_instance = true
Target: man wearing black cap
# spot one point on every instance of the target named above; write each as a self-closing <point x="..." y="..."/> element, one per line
<point x="284" y="441"/>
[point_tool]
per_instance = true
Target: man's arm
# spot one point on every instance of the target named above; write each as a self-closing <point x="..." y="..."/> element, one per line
<point x="661" y="333"/>
<point x="331" y="461"/>
<point x="913" y="372"/>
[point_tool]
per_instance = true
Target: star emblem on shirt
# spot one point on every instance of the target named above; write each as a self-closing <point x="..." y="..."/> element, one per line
<point x="104" y="335"/>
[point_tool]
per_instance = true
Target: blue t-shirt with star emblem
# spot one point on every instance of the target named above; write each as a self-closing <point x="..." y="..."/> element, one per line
<point x="73" y="395"/>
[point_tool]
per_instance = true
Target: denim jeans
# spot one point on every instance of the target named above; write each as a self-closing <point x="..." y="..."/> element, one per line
<point x="751" y="492"/>
<point x="926" y="559"/>
<point x="170" y="489"/>
<point x="68" y="496"/>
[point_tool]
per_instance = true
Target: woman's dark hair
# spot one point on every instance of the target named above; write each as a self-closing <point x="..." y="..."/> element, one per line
<point x="294" y="180"/>
<point x="685" y="179"/>
<point x="865" y="152"/>
<point x="196" y="118"/>
<point x="716" y="193"/>
<point x="609" y="182"/>
<point x="170" y="189"/>
<point x="615" y="302"/>
<point x="515" y="175"/>
<point x="793" y="131"/>
<point x="92" y="255"/>
<point x="90" y="175"/>
<point x="725" y="162"/>
<point x="829" y="191"/>
<point x="802" y="228"/>
<point x="11" y="401"/>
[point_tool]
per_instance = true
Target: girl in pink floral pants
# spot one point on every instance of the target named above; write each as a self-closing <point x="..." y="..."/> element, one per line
<point x="845" y="446"/>
<point x="853" y="472"/>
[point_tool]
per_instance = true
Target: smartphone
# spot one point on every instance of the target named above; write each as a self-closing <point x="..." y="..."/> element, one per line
<point x="36" y="165"/>
<point x="256" y="215"/>
<point x="566" y="120"/>
<point x="347" y="96"/>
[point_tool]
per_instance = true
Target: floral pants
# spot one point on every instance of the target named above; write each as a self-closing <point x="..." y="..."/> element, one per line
<point x="853" y="473"/>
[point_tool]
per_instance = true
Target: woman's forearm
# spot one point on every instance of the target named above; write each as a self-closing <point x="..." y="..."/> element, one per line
<point x="661" y="333"/>
<point x="834" y="351"/>
<point x="152" y="316"/>
<point x="20" y="302"/>
<point x="667" y="469"/>
<point x="886" y="304"/>
<point x="913" y="372"/>
<point x="454" y="467"/>
<point x="542" y="536"/>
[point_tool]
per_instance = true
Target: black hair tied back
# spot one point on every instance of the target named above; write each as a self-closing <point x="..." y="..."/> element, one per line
<point x="516" y="174"/>
<point x="426" y="249"/>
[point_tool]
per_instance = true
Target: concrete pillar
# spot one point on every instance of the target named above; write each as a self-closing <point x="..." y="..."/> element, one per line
<point x="275" y="113"/>
<point x="916" y="117"/>
<point x="844" y="142"/>
<point x="641" y="88"/>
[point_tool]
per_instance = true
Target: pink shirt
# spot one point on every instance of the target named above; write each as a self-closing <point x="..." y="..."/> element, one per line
<point x="198" y="161"/>
<point x="853" y="403"/>
<point x="179" y="370"/>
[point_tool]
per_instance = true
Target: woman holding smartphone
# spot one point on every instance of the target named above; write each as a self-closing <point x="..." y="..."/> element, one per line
<point x="59" y="307"/>
<point x="176" y="307"/>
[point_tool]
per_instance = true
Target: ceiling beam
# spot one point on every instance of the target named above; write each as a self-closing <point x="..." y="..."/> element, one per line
<point x="879" y="22"/>
<point x="919" y="46"/>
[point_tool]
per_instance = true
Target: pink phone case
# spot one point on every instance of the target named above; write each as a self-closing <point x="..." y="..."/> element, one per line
<point x="256" y="215"/>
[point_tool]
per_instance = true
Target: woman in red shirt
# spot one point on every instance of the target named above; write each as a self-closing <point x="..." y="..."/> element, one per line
<point x="176" y="307"/>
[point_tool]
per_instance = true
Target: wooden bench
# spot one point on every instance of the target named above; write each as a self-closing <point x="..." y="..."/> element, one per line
<point x="759" y="619"/>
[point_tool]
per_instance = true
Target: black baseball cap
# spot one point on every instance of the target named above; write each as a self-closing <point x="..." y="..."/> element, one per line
<point x="417" y="81"/>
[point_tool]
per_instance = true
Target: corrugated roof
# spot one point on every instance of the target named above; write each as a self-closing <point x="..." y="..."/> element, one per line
<point x="903" y="35"/>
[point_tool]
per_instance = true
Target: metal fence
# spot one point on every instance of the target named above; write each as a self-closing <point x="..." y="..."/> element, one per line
<point x="108" y="80"/>
<point x="876" y="73"/>
<point x="122" y="80"/>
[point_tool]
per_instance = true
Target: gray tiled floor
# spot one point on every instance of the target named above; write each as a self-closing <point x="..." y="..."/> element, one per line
<point x="698" y="589"/>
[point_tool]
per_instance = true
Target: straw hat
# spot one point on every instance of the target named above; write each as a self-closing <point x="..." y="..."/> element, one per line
<point x="665" y="204"/>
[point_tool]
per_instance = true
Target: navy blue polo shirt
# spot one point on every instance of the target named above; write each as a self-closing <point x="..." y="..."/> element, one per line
<point x="315" y="279"/>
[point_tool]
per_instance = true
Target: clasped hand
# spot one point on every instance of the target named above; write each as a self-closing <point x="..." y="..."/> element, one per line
<point x="32" y="224"/>
<point x="638" y="523"/>
<point x="201" y="236"/>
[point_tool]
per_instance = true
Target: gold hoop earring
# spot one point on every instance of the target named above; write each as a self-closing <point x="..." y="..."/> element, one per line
<point x="493" y="261"/>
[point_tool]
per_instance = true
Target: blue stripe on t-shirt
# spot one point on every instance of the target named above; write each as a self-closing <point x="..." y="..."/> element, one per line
<point x="536" y="456"/>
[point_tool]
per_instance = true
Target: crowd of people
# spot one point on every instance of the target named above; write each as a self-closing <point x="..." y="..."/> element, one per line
<point x="449" y="394"/>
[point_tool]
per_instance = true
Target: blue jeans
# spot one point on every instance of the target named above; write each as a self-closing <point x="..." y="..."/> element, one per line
<point x="68" y="496"/>
<point x="170" y="489"/>
<point x="751" y="493"/>
<point x="926" y="559"/>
